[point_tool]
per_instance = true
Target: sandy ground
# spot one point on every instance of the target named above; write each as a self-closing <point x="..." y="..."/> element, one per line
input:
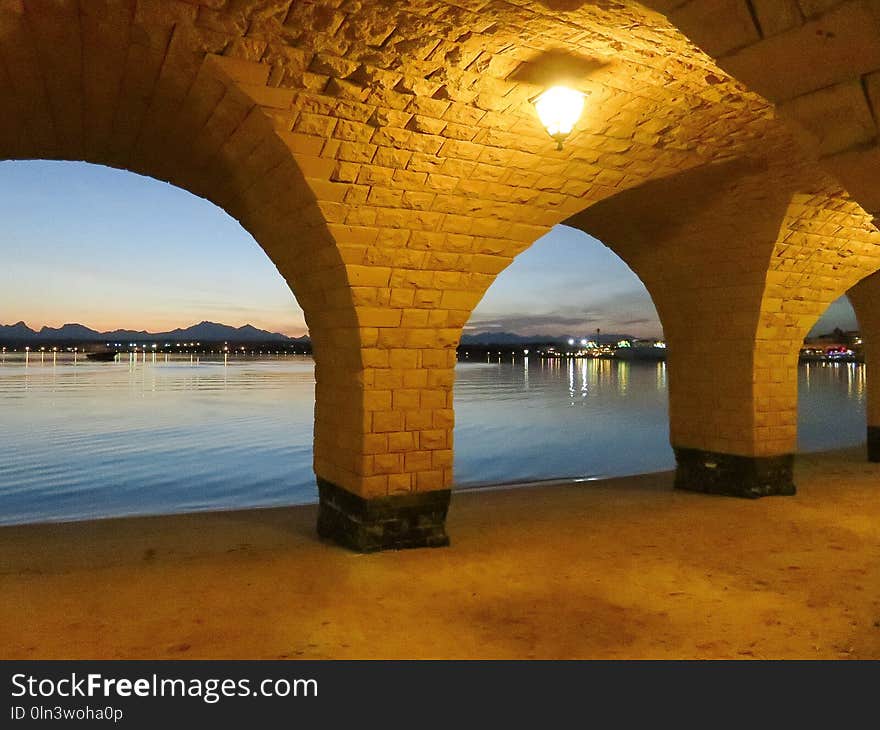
<point x="617" y="569"/>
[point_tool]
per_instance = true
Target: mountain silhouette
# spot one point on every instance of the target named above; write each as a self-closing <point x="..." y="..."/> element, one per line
<point x="510" y="338"/>
<point x="201" y="332"/>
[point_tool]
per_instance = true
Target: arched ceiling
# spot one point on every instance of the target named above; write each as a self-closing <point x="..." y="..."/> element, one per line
<point x="402" y="133"/>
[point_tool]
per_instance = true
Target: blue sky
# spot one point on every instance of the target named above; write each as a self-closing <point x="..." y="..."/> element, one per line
<point x="107" y="248"/>
<point x="110" y="249"/>
<point x="567" y="283"/>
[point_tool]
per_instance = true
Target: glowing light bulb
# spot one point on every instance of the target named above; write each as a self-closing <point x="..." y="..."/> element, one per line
<point x="559" y="108"/>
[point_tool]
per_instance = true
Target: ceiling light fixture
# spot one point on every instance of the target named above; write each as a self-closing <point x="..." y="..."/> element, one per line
<point x="559" y="109"/>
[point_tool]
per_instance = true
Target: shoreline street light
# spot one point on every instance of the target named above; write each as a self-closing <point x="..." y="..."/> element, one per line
<point x="559" y="108"/>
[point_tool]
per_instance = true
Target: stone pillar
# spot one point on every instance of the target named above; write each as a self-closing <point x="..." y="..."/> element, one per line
<point x="733" y="423"/>
<point x="865" y="298"/>
<point x="383" y="448"/>
<point x="383" y="415"/>
<point x="732" y="350"/>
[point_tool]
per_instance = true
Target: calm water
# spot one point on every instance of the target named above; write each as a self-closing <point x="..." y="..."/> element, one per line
<point x="101" y="439"/>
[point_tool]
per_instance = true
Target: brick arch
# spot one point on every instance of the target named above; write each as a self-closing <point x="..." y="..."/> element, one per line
<point x="739" y="269"/>
<point x="150" y="94"/>
<point x="676" y="235"/>
<point x="390" y="162"/>
<point x="134" y="88"/>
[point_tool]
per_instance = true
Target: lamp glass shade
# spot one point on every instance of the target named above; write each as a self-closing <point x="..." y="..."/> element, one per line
<point x="559" y="108"/>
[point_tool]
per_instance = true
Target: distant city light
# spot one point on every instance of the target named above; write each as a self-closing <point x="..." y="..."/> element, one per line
<point x="571" y="340"/>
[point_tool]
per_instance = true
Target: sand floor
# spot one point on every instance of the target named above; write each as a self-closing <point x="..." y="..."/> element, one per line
<point x="624" y="568"/>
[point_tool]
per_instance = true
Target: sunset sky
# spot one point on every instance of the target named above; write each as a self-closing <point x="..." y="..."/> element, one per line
<point x="110" y="249"/>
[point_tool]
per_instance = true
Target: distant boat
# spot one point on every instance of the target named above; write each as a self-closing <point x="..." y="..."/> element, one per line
<point x="102" y="356"/>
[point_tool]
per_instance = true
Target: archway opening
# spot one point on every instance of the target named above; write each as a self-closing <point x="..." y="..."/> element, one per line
<point x="831" y="382"/>
<point x="562" y="370"/>
<point x="208" y="403"/>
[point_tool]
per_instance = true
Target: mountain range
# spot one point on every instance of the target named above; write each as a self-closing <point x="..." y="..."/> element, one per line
<point x="512" y="339"/>
<point x="215" y="332"/>
<point x="201" y="332"/>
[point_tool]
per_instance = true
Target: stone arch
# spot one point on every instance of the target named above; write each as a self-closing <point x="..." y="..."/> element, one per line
<point x="740" y="262"/>
<point x="167" y="105"/>
<point x="391" y="164"/>
<point x="136" y="87"/>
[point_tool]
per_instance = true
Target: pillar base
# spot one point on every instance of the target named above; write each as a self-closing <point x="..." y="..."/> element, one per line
<point x="732" y="475"/>
<point x="385" y="523"/>
<point x="873" y="443"/>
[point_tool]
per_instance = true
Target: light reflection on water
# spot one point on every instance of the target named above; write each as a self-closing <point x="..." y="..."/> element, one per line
<point x="831" y="405"/>
<point x="597" y="418"/>
<point x="101" y="439"/>
<point x="555" y="418"/>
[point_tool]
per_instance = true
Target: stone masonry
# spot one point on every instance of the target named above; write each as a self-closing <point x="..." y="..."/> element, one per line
<point x="817" y="60"/>
<point x="388" y="159"/>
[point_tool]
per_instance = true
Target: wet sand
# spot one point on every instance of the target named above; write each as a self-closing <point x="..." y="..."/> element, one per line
<point x="624" y="568"/>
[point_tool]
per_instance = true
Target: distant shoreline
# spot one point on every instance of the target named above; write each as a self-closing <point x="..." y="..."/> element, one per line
<point x="170" y="348"/>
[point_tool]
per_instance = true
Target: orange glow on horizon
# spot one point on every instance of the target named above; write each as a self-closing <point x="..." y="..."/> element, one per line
<point x="157" y="325"/>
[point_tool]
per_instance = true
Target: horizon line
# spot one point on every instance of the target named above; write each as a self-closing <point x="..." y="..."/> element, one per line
<point x="148" y="331"/>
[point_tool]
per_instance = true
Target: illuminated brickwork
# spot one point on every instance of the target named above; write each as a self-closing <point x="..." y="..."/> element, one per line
<point x="739" y="271"/>
<point x="817" y="60"/>
<point x="388" y="159"/>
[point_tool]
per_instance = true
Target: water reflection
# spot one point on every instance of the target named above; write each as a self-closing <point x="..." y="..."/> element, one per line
<point x="588" y="417"/>
<point x="607" y="417"/>
<point x="831" y="407"/>
<point x="98" y="439"/>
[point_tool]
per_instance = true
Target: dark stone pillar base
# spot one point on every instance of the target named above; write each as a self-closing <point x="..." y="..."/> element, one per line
<point x="873" y="443"/>
<point x="732" y="475"/>
<point x="385" y="523"/>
